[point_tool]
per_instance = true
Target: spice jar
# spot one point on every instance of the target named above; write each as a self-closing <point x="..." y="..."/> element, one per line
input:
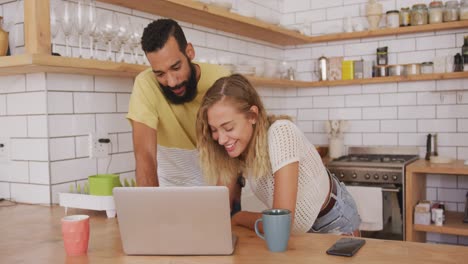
<point x="393" y="19"/>
<point x="464" y="10"/>
<point x="419" y="15"/>
<point x="436" y="10"/>
<point x="451" y="11"/>
<point x="413" y="69"/>
<point x="382" y="56"/>
<point x="405" y="17"/>
<point x="427" y="67"/>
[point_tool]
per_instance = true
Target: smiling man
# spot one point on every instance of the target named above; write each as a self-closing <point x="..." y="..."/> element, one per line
<point x="163" y="107"/>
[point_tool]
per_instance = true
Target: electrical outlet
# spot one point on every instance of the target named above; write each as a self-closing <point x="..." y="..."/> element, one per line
<point x="98" y="149"/>
<point x="4" y="150"/>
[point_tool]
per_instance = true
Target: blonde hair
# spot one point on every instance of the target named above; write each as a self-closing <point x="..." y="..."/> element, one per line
<point x="215" y="162"/>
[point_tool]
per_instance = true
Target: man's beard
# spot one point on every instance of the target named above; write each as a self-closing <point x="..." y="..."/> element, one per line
<point x="190" y="88"/>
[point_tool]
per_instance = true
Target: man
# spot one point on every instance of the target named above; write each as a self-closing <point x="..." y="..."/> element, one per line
<point x="163" y="107"/>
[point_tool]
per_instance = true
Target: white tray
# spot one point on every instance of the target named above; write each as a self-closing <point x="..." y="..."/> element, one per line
<point x="90" y="202"/>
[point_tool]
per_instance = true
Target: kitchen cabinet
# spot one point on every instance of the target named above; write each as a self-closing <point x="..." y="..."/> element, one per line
<point x="37" y="42"/>
<point x="415" y="190"/>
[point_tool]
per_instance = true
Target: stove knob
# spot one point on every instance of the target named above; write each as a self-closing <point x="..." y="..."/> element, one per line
<point x="394" y="177"/>
<point x="342" y="175"/>
<point x="376" y="176"/>
<point x="367" y="176"/>
<point x="333" y="174"/>
<point x="354" y="175"/>
<point x="385" y="177"/>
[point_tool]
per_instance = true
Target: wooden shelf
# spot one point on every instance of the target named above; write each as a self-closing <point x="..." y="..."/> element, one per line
<point x="424" y="166"/>
<point x="221" y="19"/>
<point x="453" y="225"/>
<point x="390" y="31"/>
<point x="216" y="18"/>
<point x="25" y="63"/>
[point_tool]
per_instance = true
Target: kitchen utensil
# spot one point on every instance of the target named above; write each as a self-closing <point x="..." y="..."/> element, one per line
<point x="435" y="145"/>
<point x="428" y="147"/>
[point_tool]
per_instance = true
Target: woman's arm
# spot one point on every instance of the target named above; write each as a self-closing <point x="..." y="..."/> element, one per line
<point x="284" y="196"/>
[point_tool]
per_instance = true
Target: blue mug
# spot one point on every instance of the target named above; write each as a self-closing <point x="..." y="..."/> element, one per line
<point x="276" y="228"/>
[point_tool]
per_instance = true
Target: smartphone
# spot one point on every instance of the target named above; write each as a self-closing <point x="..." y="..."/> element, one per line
<point x="346" y="247"/>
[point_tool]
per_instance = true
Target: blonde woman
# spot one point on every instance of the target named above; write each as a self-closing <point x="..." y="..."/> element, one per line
<point x="283" y="168"/>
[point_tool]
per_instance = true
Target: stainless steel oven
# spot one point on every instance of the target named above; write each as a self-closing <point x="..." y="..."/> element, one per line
<point x="379" y="167"/>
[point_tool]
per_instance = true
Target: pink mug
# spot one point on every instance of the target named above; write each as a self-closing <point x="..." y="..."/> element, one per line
<point x="75" y="231"/>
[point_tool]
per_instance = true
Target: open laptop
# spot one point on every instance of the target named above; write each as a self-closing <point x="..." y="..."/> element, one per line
<point x="174" y="220"/>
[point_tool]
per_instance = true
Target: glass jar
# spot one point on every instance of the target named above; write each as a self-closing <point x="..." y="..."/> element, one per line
<point x="419" y="15"/>
<point x="451" y="11"/>
<point x="405" y="17"/>
<point x="382" y="56"/>
<point x="427" y="67"/>
<point x="393" y="19"/>
<point x="464" y="10"/>
<point x="436" y="10"/>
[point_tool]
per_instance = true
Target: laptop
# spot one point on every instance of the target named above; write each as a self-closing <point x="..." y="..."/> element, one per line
<point x="174" y="220"/>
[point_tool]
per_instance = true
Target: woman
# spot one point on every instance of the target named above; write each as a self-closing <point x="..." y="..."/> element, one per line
<point x="283" y="168"/>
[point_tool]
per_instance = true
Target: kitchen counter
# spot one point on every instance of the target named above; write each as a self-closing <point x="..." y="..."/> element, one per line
<point x="32" y="234"/>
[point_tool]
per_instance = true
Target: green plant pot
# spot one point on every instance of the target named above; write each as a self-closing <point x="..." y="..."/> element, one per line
<point x="102" y="184"/>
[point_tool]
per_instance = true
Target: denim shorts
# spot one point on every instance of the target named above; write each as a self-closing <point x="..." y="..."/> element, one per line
<point x="343" y="218"/>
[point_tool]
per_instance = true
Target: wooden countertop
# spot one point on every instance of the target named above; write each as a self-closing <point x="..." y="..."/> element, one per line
<point x="32" y="234"/>
<point x="424" y="166"/>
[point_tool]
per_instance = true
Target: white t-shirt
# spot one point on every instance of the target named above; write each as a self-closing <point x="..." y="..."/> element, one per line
<point x="287" y="144"/>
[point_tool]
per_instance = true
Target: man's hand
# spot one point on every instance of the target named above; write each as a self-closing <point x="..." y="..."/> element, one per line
<point x="145" y="146"/>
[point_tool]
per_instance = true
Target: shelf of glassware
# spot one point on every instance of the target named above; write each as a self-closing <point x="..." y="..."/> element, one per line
<point x="218" y="18"/>
<point x="26" y="63"/>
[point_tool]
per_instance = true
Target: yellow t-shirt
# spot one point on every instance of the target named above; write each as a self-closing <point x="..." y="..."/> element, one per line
<point x="174" y="123"/>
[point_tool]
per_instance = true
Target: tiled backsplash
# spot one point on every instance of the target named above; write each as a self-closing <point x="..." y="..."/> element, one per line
<point x="49" y="116"/>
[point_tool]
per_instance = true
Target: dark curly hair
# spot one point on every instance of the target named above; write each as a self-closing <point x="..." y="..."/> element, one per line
<point x="156" y="34"/>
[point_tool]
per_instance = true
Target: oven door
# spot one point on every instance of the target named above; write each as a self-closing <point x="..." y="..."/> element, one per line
<point x="392" y="210"/>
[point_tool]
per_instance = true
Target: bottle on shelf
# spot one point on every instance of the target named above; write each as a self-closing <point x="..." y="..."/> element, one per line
<point x="465" y="53"/>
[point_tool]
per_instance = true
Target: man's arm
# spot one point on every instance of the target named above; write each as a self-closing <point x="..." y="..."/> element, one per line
<point x="144" y="144"/>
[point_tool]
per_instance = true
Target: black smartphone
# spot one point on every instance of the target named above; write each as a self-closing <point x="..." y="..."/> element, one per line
<point x="346" y="247"/>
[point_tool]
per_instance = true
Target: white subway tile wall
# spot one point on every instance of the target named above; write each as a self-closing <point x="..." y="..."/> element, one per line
<point x="50" y="115"/>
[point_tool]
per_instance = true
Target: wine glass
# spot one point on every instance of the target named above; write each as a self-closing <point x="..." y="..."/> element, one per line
<point x="92" y="30"/>
<point x="123" y="34"/>
<point x="81" y="24"/>
<point x="135" y="39"/>
<point x="108" y="28"/>
<point x="54" y="26"/>
<point x="67" y="23"/>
